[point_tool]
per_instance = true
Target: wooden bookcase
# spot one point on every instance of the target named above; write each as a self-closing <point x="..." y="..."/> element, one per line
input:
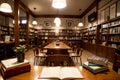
<point x="61" y="34"/>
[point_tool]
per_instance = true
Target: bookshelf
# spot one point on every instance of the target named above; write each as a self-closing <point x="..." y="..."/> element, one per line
<point x="110" y="33"/>
<point x="32" y="36"/>
<point x="61" y="34"/>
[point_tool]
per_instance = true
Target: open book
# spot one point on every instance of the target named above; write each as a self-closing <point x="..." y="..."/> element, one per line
<point x="60" y="73"/>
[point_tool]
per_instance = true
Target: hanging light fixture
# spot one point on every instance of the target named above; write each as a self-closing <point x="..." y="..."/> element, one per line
<point x="59" y="4"/>
<point x="80" y="24"/>
<point x="34" y="21"/>
<point x="5" y="7"/>
<point x="57" y="20"/>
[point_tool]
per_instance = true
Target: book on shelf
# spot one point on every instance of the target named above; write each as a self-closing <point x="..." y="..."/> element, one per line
<point x="60" y="73"/>
<point x="94" y="68"/>
<point x="98" y="60"/>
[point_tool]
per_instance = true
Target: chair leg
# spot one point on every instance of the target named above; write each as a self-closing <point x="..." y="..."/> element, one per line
<point x="81" y="61"/>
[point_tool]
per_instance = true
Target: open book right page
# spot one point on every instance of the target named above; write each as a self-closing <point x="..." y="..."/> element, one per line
<point x="70" y="73"/>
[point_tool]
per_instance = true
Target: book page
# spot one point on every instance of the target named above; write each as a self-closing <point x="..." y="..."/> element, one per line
<point x="50" y="73"/>
<point x="70" y="73"/>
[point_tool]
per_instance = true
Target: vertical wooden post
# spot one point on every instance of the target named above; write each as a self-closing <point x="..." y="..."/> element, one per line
<point x="27" y="30"/>
<point x="16" y="19"/>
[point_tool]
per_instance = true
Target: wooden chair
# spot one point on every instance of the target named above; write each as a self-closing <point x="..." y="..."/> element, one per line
<point x="76" y="56"/>
<point x="38" y="56"/>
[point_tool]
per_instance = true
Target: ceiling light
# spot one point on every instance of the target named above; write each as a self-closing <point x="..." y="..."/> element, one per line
<point x="57" y="22"/>
<point x="59" y="4"/>
<point x="80" y="24"/>
<point x="5" y="7"/>
<point x="34" y="22"/>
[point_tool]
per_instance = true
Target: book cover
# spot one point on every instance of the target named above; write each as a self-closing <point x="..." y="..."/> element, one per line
<point x="94" y="68"/>
<point x="60" y="73"/>
<point x="98" y="60"/>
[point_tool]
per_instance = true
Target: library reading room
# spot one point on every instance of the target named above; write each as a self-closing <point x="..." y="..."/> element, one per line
<point x="59" y="39"/>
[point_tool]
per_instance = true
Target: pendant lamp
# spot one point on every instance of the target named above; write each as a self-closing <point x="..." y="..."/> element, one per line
<point x="80" y="24"/>
<point x="5" y="7"/>
<point x="34" y="21"/>
<point x="59" y="4"/>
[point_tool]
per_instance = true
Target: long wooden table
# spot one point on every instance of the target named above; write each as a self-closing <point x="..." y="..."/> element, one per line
<point x="57" y="54"/>
<point x="36" y="70"/>
<point x="57" y="48"/>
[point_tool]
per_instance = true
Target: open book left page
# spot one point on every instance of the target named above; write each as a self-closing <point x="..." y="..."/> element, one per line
<point x="50" y="73"/>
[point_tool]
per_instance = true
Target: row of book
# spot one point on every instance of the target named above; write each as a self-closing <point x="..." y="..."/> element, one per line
<point x="96" y="64"/>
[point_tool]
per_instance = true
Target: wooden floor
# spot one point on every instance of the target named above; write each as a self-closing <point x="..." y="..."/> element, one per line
<point x="29" y="55"/>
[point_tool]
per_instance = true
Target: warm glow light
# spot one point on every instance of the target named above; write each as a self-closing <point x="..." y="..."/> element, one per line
<point x="57" y="22"/>
<point x="5" y="7"/>
<point x="14" y="22"/>
<point x="24" y="21"/>
<point x="34" y="22"/>
<point x="59" y="4"/>
<point x="80" y="24"/>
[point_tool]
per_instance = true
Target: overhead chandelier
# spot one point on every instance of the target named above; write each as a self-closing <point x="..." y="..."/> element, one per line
<point x="59" y="4"/>
<point x="5" y="7"/>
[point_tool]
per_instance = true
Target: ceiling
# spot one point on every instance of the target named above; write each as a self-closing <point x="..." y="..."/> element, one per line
<point x="44" y="7"/>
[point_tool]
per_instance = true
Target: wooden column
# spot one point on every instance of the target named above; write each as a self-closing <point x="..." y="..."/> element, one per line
<point x="27" y="29"/>
<point x="16" y="19"/>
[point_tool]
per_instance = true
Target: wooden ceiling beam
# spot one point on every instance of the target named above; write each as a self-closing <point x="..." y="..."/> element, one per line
<point x="94" y="4"/>
<point x="61" y="16"/>
<point x="25" y="8"/>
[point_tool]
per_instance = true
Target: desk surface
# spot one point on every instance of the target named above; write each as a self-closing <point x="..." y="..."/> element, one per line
<point x="54" y="46"/>
<point x="36" y="70"/>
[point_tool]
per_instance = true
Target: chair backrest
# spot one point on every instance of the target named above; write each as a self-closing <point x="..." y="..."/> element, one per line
<point x="79" y="51"/>
<point x="36" y="51"/>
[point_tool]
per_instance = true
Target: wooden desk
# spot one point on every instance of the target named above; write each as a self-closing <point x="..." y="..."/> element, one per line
<point x="36" y="70"/>
<point x="52" y="48"/>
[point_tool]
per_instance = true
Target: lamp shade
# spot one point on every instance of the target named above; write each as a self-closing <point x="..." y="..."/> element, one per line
<point x="80" y="24"/>
<point x="34" y="22"/>
<point x="5" y="7"/>
<point x="59" y="4"/>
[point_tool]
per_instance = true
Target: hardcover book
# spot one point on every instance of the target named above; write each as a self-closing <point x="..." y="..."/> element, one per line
<point x="12" y="63"/>
<point x="60" y="73"/>
<point x="94" y="68"/>
<point x="98" y="60"/>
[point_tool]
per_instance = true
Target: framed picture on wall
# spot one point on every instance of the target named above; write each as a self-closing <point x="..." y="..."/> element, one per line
<point x="118" y="8"/>
<point x="47" y="23"/>
<point x="69" y="23"/>
<point x="112" y="11"/>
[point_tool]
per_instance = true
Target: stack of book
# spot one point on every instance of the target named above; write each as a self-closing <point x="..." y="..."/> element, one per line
<point x="96" y="64"/>
<point x="11" y="67"/>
